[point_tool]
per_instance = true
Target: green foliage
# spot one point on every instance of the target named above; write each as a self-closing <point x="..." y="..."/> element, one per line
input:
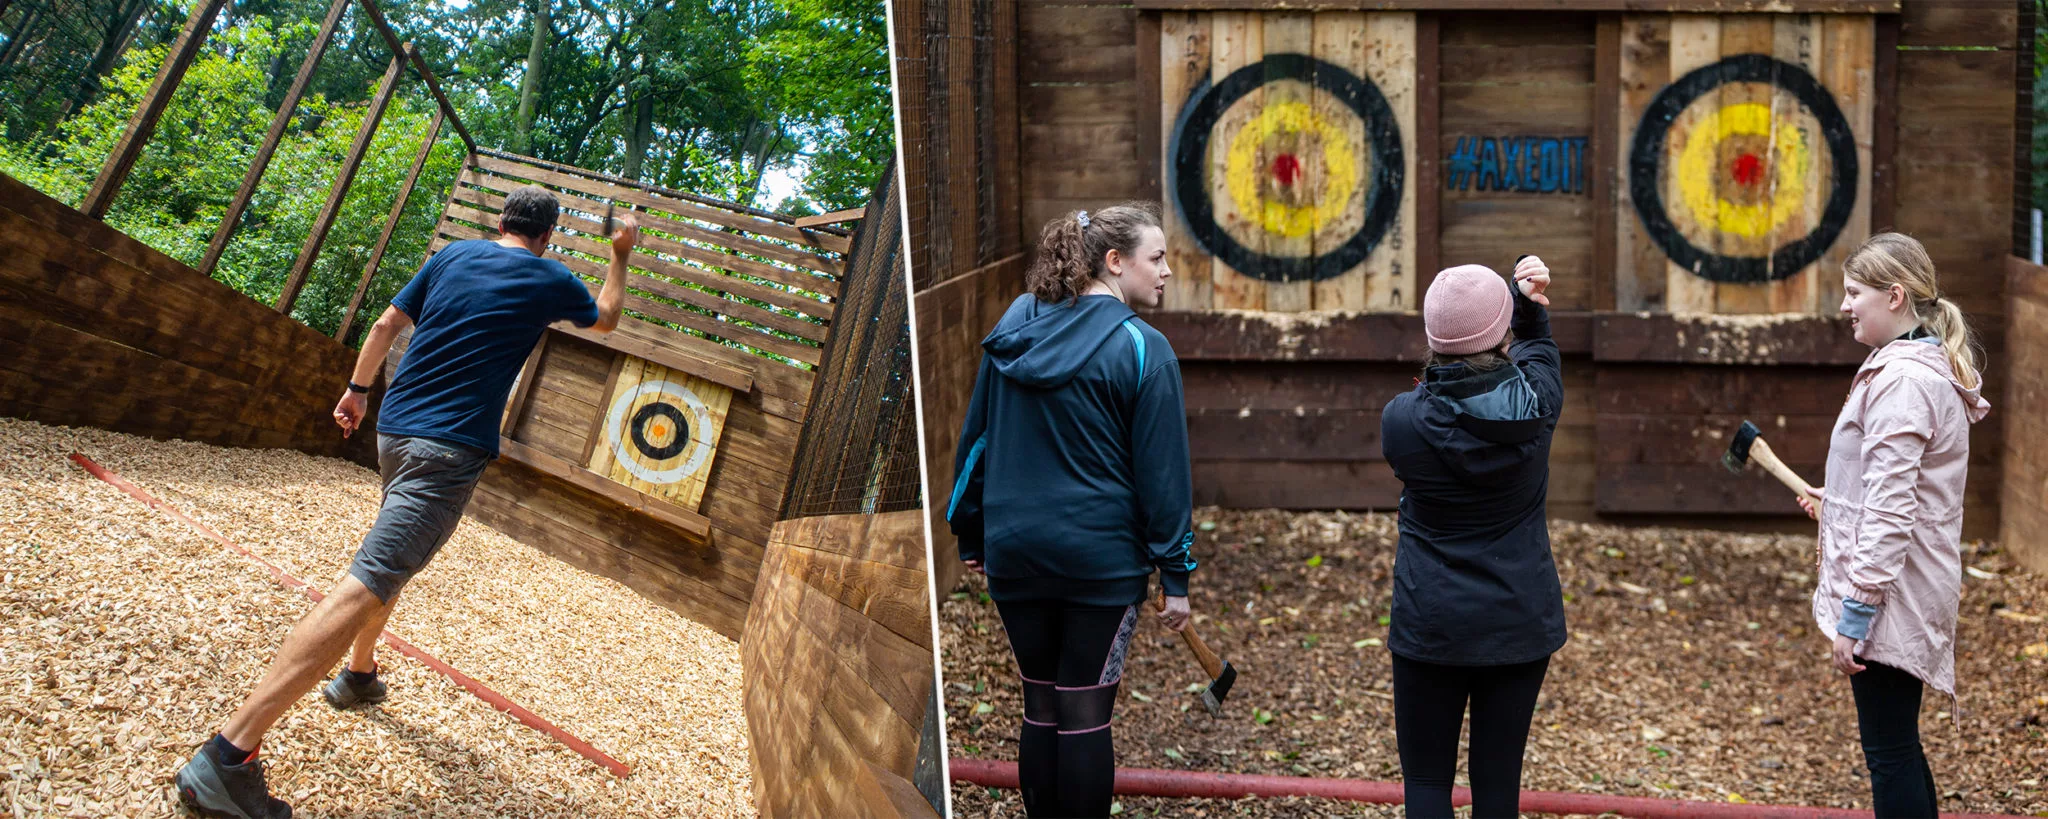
<point x="739" y="88"/>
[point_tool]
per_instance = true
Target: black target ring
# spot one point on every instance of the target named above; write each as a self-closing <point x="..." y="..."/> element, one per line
<point x="637" y="428"/>
<point x="1190" y="185"/>
<point x="1647" y="155"/>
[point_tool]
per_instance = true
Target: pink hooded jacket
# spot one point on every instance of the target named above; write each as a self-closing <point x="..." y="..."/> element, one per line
<point x="1892" y="521"/>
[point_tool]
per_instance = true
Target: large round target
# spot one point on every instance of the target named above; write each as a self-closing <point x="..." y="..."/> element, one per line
<point x="1744" y="170"/>
<point x="654" y="442"/>
<point x="1292" y="169"/>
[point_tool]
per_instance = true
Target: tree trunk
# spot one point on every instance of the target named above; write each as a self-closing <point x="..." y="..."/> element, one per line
<point x="529" y="86"/>
<point x="643" y="133"/>
<point x="759" y="164"/>
<point x="126" y="16"/>
<point x="22" y="30"/>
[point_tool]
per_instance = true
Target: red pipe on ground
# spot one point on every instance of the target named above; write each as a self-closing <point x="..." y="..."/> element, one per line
<point x="1198" y="784"/>
<point x="468" y="683"/>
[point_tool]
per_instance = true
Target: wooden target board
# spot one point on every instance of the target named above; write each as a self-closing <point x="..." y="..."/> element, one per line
<point x="660" y="432"/>
<point x="1289" y="159"/>
<point x="1745" y="160"/>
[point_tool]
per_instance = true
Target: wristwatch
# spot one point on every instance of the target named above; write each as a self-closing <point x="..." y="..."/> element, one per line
<point x="355" y="387"/>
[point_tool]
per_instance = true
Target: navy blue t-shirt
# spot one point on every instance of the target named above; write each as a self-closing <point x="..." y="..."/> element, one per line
<point x="477" y="308"/>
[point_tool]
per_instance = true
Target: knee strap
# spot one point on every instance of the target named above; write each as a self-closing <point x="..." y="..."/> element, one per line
<point x="1086" y="709"/>
<point x="1041" y="703"/>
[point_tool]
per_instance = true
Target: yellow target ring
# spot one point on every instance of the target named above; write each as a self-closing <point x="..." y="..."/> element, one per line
<point x="1698" y="164"/>
<point x="1242" y="172"/>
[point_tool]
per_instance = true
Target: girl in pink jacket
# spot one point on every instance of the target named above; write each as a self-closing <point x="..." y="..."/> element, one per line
<point x="1891" y="515"/>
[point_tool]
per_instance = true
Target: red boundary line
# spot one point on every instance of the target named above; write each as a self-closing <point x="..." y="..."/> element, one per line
<point x="468" y="683"/>
<point x="1185" y="784"/>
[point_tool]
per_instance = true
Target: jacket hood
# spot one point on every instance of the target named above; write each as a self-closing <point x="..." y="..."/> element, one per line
<point x="1043" y="345"/>
<point x="1488" y="422"/>
<point x="1928" y="352"/>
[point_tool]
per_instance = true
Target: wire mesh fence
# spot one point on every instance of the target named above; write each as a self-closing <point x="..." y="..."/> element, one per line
<point x="859" y="450"/>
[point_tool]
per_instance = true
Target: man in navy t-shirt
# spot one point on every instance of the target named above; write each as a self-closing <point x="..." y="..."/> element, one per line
<point x="477" y="308"/>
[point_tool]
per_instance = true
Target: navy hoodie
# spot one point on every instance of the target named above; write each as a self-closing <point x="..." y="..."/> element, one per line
<point x="1474" y="583"/>
<point x="1072" y="478"/>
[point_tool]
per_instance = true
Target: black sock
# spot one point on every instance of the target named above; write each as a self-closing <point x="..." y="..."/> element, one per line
<point x="226" y="752"/>
<point x="360" y="677"/>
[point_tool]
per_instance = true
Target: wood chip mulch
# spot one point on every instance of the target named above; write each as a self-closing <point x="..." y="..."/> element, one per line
<point x="128" y="638"/>
<point x="1694" y="671"/>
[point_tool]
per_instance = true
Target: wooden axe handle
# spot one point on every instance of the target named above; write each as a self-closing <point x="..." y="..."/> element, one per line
<point x="1211" y="664"/>
<point x="1761" y="453"/>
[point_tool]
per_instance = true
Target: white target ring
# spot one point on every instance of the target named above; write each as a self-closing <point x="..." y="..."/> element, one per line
<point x="618" y="434"/>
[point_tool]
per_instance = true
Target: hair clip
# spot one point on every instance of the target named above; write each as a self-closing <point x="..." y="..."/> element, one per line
<point x="1083" y="219"/>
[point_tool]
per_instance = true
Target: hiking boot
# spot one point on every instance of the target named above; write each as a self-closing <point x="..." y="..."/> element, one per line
<point x="344" y="692"/>
<point x="213" y="788"/>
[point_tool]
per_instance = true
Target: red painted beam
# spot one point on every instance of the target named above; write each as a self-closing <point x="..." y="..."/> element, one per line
<point x="467" y="682"/>
<point x="1198" y="784"/>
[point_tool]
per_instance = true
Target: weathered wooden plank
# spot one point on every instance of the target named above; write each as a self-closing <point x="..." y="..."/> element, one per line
<point x="690" y="524"/>
<point x="346" y="177"/>
<point x="1695" y="489"/>
<point x="1705" y="339"/>
<point x="1649" y="389"/>
<point x="1702" y="6"/>
<point x="1296" y="485"/>
<point x="1604" y="148"/>
<point x="1289" y="32"/>
<point x="665" y="355"/>
<point x="1695" y="42"/>
<point x="1849" y="70"/>
<point x="121" y="160"/>
<point x="1237" y="40"/>
<point x="1428" y="163"/>
<point x="257" y="164"/>
<point x="1645" y="68"/>
<point x="521" y="387"/>
<point x="1184" y="58"/>
<point x="1702" y="439"/>
<point x="1304" y="434"/>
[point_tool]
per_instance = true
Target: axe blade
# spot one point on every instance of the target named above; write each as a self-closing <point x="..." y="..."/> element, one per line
<point x="1213" y="696"/>
<point x="1737" y="455"/>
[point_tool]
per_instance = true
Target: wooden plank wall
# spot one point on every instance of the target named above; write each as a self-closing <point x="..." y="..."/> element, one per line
<point x="837" y="660"/>
<point x="1296" y="427"/>
<point x="2024" y="529"/>
<point x="98" y="329"/>
<point x="957" y="97"/>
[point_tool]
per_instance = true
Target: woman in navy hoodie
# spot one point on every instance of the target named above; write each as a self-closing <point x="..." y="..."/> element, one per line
<point x="1477" y="607"/>
<point x="1072" y="486"/>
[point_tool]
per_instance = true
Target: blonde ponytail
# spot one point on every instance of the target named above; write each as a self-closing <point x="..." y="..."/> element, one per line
<point x="1946" y="321"/>
<point x="1887" y="259"/>
<point x="1071" y="248"/>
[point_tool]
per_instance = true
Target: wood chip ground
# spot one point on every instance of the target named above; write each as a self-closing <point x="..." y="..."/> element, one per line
<point x="128" y="638"/>
<point x="1694" y="671"/>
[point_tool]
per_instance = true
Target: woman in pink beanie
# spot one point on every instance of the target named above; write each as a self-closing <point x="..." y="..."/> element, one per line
<point x="1477" y="606"/>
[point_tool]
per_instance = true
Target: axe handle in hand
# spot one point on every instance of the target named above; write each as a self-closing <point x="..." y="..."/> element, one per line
<point x="1761" y="453"/>
<point x="1211" y="664"/>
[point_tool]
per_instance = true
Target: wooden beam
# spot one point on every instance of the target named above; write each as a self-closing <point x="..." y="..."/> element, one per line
<point x="522" y="387"/>
<point x="1429" y="194"/>
<point x="835" y="217"/>
<point x="1150" y="135"/>
<point x="693" y="525"/>
<point x="419" y="64"/>
<point x="604" y="401"/>
<point x="1884" y="130"/>
<point x="412" y="177"/>
<point x="1652" y="6"/>
<point x="100" y="198"/>
<point x="644" y="348"/>
<point x="278" y="123"/>
<point x="1605" y="138"/>
<point x="310" y="251"/>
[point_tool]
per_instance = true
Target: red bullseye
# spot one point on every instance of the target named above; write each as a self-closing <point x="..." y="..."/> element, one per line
<point x="1748" y="169"/>
<point x="1285" y="168"/>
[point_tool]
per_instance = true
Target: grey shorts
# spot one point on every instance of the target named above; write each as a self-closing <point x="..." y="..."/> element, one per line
<point x="427" y="483"/>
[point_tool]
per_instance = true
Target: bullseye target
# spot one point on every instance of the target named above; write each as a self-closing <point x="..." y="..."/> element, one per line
<point x="1310" y="161"/>
<point x="1744" y="170"/>
<point x="661" y="431"/>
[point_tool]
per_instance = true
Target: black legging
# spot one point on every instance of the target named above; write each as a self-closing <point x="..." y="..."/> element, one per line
<point x="1888" y="720"/>
<point x="1072" y="659"/>
<point x="1429" y="708"/>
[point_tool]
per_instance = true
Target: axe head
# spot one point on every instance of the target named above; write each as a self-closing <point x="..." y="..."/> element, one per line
<point x="609" y="207"/>
<point x="1212" y="697"/>
<point x="1737" y="455"/>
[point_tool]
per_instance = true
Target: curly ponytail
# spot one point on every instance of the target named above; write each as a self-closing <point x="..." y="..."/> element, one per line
<point x="1887" y="259"/>
<point x="1070" y="254"/>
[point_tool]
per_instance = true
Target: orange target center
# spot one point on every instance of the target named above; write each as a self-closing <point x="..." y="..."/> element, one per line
<point x="1286" y="168"/>
<point x="659" y="430"/>
<point x="1748" y="170"/>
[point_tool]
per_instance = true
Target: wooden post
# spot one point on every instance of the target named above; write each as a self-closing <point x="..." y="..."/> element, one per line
<point x="270" y="140"/>
<point x="310" y="252"/>
<point x="121" y="160"/>
<point x="426" y="74"/>
<point x="412" y="177"/>
<point x="1428" y="172"/>
<point x="1606" y="130"/>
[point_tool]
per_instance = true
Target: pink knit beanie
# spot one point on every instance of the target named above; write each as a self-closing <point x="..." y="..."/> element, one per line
<point x="1466" y="310"/>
